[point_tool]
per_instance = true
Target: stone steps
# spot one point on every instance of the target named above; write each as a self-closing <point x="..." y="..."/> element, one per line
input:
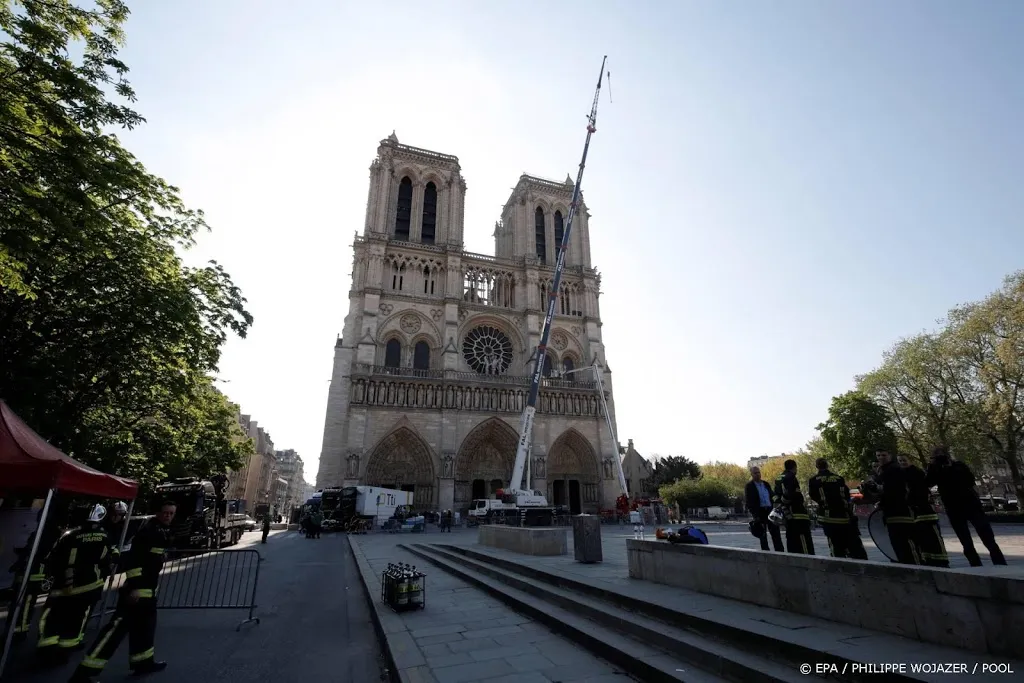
<point x="650" y="650"/>
<point x="742" y="639"/>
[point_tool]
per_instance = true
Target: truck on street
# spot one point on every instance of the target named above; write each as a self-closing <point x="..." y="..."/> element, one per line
<point x="203" y="520"/>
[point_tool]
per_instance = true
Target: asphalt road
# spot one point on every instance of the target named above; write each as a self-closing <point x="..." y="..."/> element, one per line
<point x="314" y="626"/>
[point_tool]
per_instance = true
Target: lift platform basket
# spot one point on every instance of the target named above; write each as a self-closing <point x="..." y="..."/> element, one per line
<point x="403" y="588"/>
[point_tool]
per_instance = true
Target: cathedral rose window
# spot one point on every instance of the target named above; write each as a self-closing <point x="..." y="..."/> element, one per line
<point x="487" y="350"/>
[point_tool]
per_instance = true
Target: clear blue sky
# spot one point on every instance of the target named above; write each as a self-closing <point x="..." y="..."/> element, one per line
<point x="779" y="190"/>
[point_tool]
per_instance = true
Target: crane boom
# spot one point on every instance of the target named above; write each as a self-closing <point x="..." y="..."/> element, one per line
<point x="526" y="421"/>
<point x="611" y="431"/>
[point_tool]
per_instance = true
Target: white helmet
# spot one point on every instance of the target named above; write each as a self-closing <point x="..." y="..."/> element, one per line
<point x="97" y="514"/>
<point x="776" y="517"/>
<point x="120" y="508"/>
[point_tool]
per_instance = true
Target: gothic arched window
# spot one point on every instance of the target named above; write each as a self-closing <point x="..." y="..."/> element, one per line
<point x="542" y="247"/>
<point x="567" y="366"/>
<point x="547" y="365"/>
<point x="403" y="213"/>
<point x="429" y="214"/>
<point x="559" y="229"/>
<point x="393" y="354"/>
<point x="421" y="356"/>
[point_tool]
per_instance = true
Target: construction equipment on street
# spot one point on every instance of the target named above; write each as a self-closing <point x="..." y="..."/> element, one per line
<point x="203" y="519"/>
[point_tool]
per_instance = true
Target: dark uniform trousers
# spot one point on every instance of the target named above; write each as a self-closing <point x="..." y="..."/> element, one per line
<point x="931" y="550"/>
<point x="798" y="535"/>
<point x="761" y="515"/>
<point x="64" y="618"/>
<point x="959" y="519"/>
<point x="902" y="536"/>
<point x="135" y="619"/>
<point x="844" y="539"/>
<point x="23" y="624"/>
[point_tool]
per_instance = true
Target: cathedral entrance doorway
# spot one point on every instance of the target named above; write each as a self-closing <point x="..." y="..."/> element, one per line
<point x="566" y="492"/>
<point x="401" y="460"/>
<point x="485" y="460"/>
<point x="573" y="475"/>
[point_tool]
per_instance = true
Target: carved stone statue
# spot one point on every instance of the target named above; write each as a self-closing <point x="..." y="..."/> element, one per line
<point x="540" y="467"/>
<point x="448" y="466"/>
<point x="607" y="468"/>
<point x="353" y="466"/>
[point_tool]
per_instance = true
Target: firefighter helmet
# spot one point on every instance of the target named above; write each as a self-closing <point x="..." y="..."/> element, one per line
<point x="776" y="517"/>
<point x="120" y="508"/>
<point x="98" y="513"/>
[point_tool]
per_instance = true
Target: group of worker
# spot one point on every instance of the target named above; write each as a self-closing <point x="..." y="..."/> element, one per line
<point x="77" y="565"/>
<point x="911" y="521"/>
<point x="785" y="507"/>
<point x="903" y="491"/>
<point x="311" y="523"/>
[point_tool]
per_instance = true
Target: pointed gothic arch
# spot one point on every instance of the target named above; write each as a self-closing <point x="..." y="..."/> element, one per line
<point x="573" y="473"/>
<point x="403" y="460"/>
<point x="487" y="454"/>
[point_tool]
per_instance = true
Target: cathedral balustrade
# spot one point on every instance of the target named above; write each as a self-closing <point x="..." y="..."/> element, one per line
<point x="455" y="390"/>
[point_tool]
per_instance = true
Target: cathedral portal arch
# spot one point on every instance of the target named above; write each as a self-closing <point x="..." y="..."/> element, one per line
<point x="485" y="460"/>
<point x="402" y="460"/>
<point x="574" y="476"/>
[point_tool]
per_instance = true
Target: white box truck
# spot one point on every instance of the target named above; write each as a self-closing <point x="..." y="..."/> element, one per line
<point x="379" y="503"/>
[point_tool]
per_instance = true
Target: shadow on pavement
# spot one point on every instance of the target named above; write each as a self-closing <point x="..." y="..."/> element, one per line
<point x="314" y="625"/>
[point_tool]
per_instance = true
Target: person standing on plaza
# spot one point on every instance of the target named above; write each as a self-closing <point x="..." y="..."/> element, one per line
<point x="758" y="497"/>
<point x="890" y="484"/>
<point x="135" y="616"/>
<point x="963" y="505"/>
<point x="835" y="513"/>
<point x="798" y="521"/>
<point x="931" y="549"/>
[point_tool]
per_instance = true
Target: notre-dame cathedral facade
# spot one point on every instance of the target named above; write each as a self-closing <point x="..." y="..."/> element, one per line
<point x="432" y="369"/>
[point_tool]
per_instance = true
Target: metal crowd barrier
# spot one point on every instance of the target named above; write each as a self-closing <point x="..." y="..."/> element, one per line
<point x="202" y="579"/>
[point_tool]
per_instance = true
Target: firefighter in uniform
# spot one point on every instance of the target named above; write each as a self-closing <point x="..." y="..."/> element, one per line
<point x="36" y="575"/>
<point x="960" y="499"/>
<point x="890" y="483"/>
<point x="791" y="500"/>
<point x="931" y="550"/>
<point x="835" y="513"/>
<point x="136" y="603"/>
<point x="77" y="566"/>
<point x="114" y="524"/>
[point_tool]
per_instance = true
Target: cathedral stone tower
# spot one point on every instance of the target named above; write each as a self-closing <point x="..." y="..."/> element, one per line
<point x="432" y="369"/>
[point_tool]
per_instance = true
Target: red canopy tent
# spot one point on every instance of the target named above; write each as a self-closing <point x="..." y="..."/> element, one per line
<point x="29" y="463"/>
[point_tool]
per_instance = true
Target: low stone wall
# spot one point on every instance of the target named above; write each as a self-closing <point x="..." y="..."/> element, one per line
<point x="982" y="613"/>
<point x="525" y="540"/>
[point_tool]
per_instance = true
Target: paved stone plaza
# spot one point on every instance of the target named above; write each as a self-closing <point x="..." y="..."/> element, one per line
<point x="466" y="635"/>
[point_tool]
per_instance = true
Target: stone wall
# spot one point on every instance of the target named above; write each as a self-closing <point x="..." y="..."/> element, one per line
<point x="540" y="541"/>
<point x="943" y="606"/>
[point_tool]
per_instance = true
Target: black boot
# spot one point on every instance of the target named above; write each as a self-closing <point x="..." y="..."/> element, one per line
<point x="149" y="667"/>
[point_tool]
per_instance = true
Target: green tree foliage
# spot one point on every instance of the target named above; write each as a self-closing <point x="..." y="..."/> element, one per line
<point x="731" y="475"/>
<point x="697" y="493"/>
<point x="674" y="467"/>
<point x="108" y="340"/>
<point x="855" y="427"/>
<point x="962" y="386"/>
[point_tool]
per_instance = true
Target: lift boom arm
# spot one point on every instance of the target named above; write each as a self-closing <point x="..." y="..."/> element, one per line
<point x="526" y="421"/>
